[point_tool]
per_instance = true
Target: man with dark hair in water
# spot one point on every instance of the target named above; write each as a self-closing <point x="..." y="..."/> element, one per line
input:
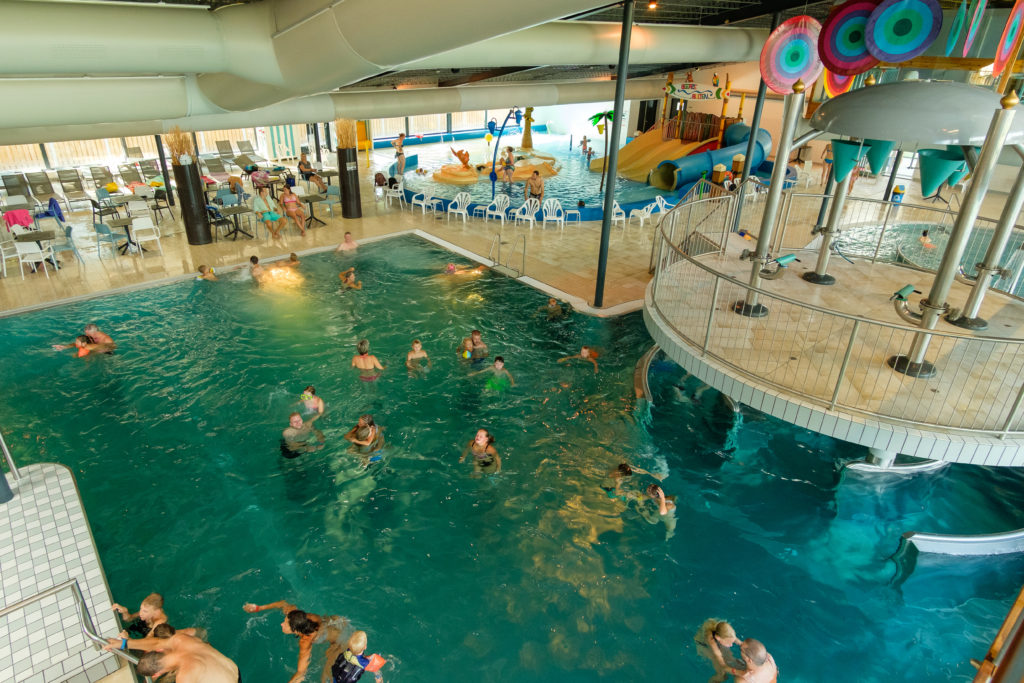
<point x="188" y="657"/>
<point x="308" y="628"/>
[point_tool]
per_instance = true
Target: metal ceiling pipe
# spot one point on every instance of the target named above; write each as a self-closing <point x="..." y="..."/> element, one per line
<point x="353" y="105"/>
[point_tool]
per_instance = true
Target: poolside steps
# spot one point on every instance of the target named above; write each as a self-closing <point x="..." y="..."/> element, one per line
<point x="45" y="540"/>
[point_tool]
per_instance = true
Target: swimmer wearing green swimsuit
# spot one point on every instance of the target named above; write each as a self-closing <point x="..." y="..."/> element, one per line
<point x="501" y="378"/>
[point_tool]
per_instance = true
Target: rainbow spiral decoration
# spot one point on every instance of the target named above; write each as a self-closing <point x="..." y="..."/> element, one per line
<point x="1008" y="45"/>
<point x="841" y="45"/>
<point x="974" y="15"/>
<point x="837" y="84"/>
<point x="791" y="54"/>
<point x="954" y="30"/>
<point x="899" y="30"/>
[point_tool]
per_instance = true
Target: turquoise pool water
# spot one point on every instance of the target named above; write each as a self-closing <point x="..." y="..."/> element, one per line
<point x="534" y="574"/>
<point x="573" y="183"/>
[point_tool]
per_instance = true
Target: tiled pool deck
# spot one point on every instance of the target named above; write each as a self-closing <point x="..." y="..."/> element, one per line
<point x="45" y="540"/>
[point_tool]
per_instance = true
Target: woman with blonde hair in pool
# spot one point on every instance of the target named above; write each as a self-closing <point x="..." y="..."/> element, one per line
<point x="366" y="362"/>
<point x="715" y="639"/>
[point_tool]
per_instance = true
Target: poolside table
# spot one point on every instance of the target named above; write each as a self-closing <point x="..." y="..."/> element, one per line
<point x="126" y="225"/>
<point x="234" y="212"/>
<point x="310" y="199"/>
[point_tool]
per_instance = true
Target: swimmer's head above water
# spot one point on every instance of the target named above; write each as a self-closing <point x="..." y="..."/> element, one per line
<point x="298" y="623"/>
<point x="295" y="420"/>
<point x="308" y="394"/>
<point x="484" y="438"/>
<point x="363" y="347"/>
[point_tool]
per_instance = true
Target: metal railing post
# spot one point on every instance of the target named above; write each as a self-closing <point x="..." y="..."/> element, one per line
<point x="846" y="362"/>
<point x="1013" y="413"/>
<point x="711" y="317"/>
<point x="10" y="460"/>
<point x="885" y="225"/>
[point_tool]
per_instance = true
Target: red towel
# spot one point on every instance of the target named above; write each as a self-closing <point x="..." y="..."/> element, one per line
<point x="18" y="217"/>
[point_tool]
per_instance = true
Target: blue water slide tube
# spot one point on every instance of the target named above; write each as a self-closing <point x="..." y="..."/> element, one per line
<point x="670" y="175"/>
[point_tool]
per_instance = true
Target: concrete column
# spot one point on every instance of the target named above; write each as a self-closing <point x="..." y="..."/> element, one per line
<point x="819" y="275"/>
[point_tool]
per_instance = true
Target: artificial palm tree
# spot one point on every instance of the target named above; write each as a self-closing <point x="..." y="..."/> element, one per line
<point x="603" y="119"/>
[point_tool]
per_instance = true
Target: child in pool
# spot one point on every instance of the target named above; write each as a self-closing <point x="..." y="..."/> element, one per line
<point x="206" y="273"/>
<point x="413" y="358"/>
<point x="666" y="510"/>
<point x="310" y="401"/>
<point x="485" y="456"/>
<point x="501" y="378"/>
<point x="141" y="624"/>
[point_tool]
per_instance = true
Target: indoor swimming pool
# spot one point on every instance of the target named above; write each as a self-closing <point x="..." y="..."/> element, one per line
<point x="531" y="574"/>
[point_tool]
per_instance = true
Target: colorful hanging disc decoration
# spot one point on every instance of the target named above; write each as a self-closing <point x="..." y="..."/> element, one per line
<point x="841" y="44"/>
<point x="1007" y="48"/>
<point x="954" y="30"/>
<point x="973" y="22"/>
<point x="791" y="54"/>
<point x="899" y="30"/>
<point x="837" y="84"/>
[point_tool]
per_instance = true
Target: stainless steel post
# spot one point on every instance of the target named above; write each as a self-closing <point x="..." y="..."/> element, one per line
<point x="990" y="265"/>
<point x="793" y="106"/>
<point x="820" y="274"/>
<point x="914" y="363"/>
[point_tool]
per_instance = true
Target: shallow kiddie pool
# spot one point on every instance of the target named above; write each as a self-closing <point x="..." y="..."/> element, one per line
<point x="533" y="574"/>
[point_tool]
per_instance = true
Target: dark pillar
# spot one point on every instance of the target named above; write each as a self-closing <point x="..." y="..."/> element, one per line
<point x="348" y="179"/>
<point x="327" y="135"/>
<point x="193" y="203"/>
<point x="892" y="176"/>
<point x="316" y="141"/>
<point x="195" y="143"/>
<point x="163" y="170"/>
<point x="611" y="163"/>
<point x="755" y="123"/>
<point x="46" y="159"/>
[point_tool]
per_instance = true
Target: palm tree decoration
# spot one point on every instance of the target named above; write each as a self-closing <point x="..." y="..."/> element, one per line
<point x="602" y="120"/>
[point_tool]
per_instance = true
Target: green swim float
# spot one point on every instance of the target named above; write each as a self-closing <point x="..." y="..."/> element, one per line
<point x="497" y="384"/>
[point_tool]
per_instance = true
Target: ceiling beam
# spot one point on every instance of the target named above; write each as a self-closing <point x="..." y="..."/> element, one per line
<point x="482" y="75"/>
<point x="753" y="11"/>
<point x="664" y="69"/>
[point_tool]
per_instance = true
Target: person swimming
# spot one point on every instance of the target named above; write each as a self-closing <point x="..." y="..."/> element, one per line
<point x="666" y="509"/>
<point x="366" y="362"/>
<point x="348" y="278"/>
<point x="310" y="401"/>
<point x="452" y="269"/>
<point x="348" y="666"/>
<point x="366" y="436"/>
<point x="479" y="350"/>
<point x="485" y="456"/>
<point x="500" y="378"/>
<point x="206" y="273"/>
<point x="417" y="354"/>
<point x="465" y="350"/>
<point x="715" y="639"/>
<point x="553" y="310"/>
<point x="586" y="353"/>
<point x="300" y="437"/>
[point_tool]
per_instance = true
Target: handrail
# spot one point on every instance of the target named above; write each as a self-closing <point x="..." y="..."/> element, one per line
<point x="81" y="610"/>
<point x="522" y="271"/>
<point x="9" y="458"/>
<point x="490" y="252"/>
<point x="1004" y="655"/>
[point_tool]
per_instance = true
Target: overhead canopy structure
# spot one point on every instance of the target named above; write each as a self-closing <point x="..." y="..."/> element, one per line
<point x="915" y="114"/>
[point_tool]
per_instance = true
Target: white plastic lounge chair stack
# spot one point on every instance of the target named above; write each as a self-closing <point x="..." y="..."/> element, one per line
<point x="459" y="206"/>
<point x="528" y="211"/>
<point x="31" y="254"/>
<point x="552" y="211"/>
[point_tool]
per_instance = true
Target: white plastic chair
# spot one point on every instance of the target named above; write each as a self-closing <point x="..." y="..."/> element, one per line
<point x="806" y="173"/>
<point x="528" y="212"/>
<point x="145" y="230"/>
<point x="459" y="206"/>
<point x="396" y="192"/>
<point x="618" y="214"/>
<point x="31" y="253"/>
<point x="425" y="202"/>
<point x="643" y="213"/>
<point x="138" y="208"/>
<point x="7" y="250"/>
<point x="498" y="208"/>
<point x="663" y="205"/>
<point x="552" y="211"/>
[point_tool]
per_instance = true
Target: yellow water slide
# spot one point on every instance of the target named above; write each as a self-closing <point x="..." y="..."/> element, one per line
<point x="638" y="158"/>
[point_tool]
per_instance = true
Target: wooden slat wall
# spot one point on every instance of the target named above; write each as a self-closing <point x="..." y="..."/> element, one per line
<point x="208" y="138"/>
<point x="21" y="158"/>
<point x="85" y="152"/>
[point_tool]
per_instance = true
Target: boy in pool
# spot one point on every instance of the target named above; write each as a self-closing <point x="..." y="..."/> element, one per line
<point x="615" y="478"/>
<point x="348" y="245"/>
<point x="348" y="665"/>
<point x="586" y="353"/>
<point x="297" y="437"/>
<point x="501" y="377"/>
<point x="255" y="269"/>
<point x="348" y="278"/>
<point x="413" y="358"/>
<point x="479" y="349"/>
<point x="666" y="510"/>
<point x="292" y="262"/>
<point x="141" y="624"/>
<point x="206" y="273"/>
<point x="553" y="310"/>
